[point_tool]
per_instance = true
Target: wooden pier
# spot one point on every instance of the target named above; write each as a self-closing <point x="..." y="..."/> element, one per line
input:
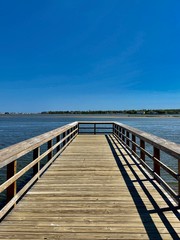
<point x="96" y="183"/>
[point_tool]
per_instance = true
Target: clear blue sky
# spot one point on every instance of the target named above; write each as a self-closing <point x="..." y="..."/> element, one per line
<point x="89" y="55"/>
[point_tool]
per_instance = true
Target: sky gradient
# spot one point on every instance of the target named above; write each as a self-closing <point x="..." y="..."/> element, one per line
<point x="89" y="55"/>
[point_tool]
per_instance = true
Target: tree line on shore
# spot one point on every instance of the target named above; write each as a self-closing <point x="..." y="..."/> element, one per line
<point x="141" y="112"/>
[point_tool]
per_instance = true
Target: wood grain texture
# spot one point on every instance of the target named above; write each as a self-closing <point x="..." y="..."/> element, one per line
<point x="161" y="143"/>
<point x="15" y="151"/>
<point x="94" y="190"/>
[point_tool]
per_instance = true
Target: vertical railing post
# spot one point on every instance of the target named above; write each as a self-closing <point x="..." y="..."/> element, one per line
<point x="133" y="141"/>
<point x="119" y="131"/>
<point x="123" y="132"/>
<point x="127" y="137"/>
<point x="94" y="128"/>
<point x="78" y="128"/>
<point x="36" y="154"/>
<point x="64" y="141"/>
<point x="50" y="144"/>
<point x="113" y="129"/>
<point x="68" y="138"/>
<point x="157" y="156"/>
<point x="57" y="141"/>
<point x="11" y="171"/>
<point x="142" y="146"/>
<point x="72" y="134"/>
<point x="66" y="133"/>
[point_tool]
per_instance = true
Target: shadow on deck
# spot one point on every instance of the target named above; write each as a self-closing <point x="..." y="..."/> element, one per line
<point x="92" y="188"/>
<point x="146" y="215"/>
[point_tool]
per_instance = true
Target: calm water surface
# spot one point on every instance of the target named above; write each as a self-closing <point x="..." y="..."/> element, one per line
<point x="16" y="128"/>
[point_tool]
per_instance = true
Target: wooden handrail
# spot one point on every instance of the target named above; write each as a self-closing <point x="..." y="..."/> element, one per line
<point x="127" y="135"/>
<point x="94" y="126"/>
<point x="18" y="150"/>
<point x="10" y="155"/>
<point x="161" y="143"/>
<point x="133" y="140"/>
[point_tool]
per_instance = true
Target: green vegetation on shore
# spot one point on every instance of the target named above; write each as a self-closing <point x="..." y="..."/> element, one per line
<point x="140" y="112"/>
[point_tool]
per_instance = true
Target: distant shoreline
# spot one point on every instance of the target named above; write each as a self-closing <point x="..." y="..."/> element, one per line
<point x="95" y="115"/>
<point x="113" y="116"/>
<point x="106" y="113"/>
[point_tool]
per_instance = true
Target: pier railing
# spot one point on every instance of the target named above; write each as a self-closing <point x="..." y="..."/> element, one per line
<point x="148" y="149"/>
<point x="97" y="127"/>
<point x="56" y="141"/>
<point x="151" y="151"/>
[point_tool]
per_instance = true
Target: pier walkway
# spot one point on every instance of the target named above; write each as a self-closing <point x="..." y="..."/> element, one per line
<point x="95" y="189"/>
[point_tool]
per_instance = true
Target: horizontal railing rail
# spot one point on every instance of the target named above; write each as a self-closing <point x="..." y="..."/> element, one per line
<point x="133" y="140"/>
<point x="136" y="140"/>
<point x="95" y="127"/>
<point x="56" y="141"/>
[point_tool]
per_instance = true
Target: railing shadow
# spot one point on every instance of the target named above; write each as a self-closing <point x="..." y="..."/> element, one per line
<point x="144" y="213"/>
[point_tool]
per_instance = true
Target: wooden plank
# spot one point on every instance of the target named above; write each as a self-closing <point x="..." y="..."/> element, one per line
<point x="92" y="191"/>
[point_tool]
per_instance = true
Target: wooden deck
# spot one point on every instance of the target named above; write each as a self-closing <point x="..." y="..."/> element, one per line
<point x="94" y="190"/>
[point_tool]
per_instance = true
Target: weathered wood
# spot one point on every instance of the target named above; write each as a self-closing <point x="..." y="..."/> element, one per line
<point x="94" y="177"/>
<point x="133" y="141"/>
<point x="12" y="176"/>
<point x="16" y="151"/>
<point x="142" y="147"/>
<point x="123" y="134"/>
<point x="36" y="154"/>
<point x="57" y="141"/>
<point x="157" y="144"/>
<point x="17" y="175"/>
<point x="11" y="170"/>
<point x="162" y="144"/>
<point x="49" y="145"/>
<point x="127" y="138"/>
<point x="157" y="156"/>
<point x="16" y="197"/>
<point x="63" y="139"/>
<point x="93" y="190"/>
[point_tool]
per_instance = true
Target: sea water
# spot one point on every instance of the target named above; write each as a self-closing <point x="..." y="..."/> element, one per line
<point x="16" y="128"/>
